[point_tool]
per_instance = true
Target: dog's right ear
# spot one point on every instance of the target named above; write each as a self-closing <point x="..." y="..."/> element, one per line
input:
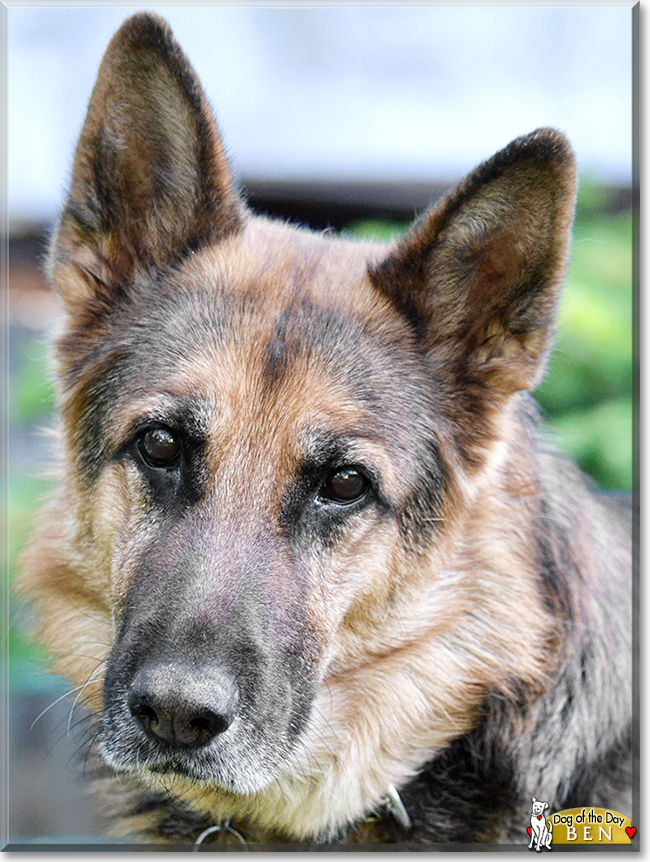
<point x="150" y="181"/>
<point x="479" y="275"/>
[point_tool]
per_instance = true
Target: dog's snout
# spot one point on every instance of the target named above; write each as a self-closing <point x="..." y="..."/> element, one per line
<point x="184" y="707"/>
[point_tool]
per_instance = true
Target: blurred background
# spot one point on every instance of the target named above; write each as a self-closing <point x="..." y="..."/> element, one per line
<point x="350" y="118"/>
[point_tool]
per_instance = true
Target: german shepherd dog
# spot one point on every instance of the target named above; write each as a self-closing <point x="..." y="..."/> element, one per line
<point x="310" y="558"/>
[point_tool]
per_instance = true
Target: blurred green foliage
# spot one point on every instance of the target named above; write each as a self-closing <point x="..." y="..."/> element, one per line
<point x="24" y="493"/>
<point x="586" y="394"/>
<point x="31" y="395"/>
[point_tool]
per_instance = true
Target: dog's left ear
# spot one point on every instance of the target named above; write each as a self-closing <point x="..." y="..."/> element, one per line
<point x="480" y="275"/>
<point x="150" y="181"/>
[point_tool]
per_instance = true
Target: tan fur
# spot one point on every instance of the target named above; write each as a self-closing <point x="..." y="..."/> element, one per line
<point x="424" y="604"/>
<point x="405" y="639"/>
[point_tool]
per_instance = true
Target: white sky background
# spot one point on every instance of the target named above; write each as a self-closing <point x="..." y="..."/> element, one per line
<point x="341" y="93"/>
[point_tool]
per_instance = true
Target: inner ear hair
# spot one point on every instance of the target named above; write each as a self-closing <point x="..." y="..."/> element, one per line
<point x="482" y="271"/>
<point x="150" y="180"/>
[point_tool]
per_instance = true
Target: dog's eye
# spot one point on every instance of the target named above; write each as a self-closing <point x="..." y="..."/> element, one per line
<point x="159" y="447"/>
<point x="345" y="485"/>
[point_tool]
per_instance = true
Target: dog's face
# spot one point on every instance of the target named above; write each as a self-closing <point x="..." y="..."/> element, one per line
<point x="275" y="441"/>
<point x="256" y="441"/>
<point x="538" y="807"/>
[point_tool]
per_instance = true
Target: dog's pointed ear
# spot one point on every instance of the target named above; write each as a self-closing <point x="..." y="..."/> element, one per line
<point x="150" y="181"/>
<point x="480" y="274"/>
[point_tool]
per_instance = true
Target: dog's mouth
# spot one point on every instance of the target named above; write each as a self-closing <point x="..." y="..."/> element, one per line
<point x="227" y="766"/>
<point x="239" y="760"/>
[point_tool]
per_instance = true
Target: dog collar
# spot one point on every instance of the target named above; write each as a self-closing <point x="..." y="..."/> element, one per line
<point x="392" y="803"/>
<point x="224" y="827"/>
<point x="397" y="808"/>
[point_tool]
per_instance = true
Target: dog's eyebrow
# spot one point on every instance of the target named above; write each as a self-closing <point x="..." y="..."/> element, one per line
<point x="325" y="447"/>
<point x="322" y="446"/>
<point x="191" y="415"/>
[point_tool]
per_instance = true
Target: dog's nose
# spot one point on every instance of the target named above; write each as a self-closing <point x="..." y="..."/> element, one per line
<point x="185" y="707"/>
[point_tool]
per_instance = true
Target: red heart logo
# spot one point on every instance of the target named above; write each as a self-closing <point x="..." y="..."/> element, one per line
<point x="529" y="830"/>
<point x="630" y="831"/>
<point x="539" y="816"/>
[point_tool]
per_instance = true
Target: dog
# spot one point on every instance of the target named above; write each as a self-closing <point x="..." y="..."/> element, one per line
<point x="541" y="832"/>
<point x="311" y="560"/>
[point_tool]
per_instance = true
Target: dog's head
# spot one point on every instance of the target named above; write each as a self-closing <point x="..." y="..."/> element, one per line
<point x="538" y="807"/>
<point x="272" y="437"/>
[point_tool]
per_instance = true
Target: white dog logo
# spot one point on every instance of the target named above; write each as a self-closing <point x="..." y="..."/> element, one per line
<point x="541" y="829"/>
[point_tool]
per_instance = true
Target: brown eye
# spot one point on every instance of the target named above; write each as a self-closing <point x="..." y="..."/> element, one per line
<point x="159" y="447"/>
<point x="345" y="485"/>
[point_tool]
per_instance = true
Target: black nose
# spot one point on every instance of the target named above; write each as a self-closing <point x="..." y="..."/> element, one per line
<point x="187" y="707"/>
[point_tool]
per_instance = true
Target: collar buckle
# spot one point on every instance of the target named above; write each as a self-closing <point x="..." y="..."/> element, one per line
<point x="397" y="808"/>
<point x="223" y="827"/>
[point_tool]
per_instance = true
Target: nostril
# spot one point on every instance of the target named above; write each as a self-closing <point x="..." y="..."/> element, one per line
<point x="210" y="722"/>
<point x="141" y="710"/>
<point x="200" y="726"/>
<point x="198" y="730"/>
